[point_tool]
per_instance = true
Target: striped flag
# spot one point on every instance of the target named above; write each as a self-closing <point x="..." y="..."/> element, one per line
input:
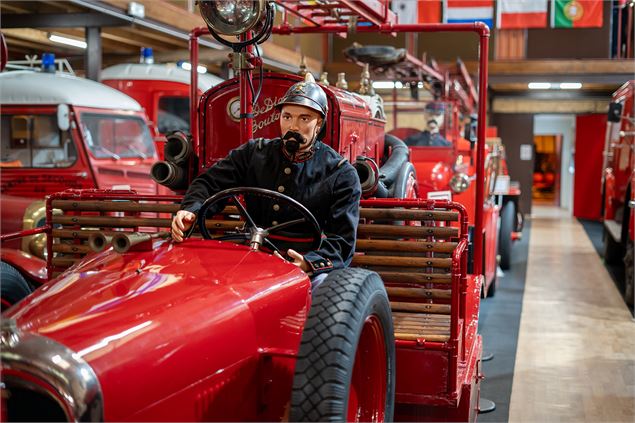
<point x="417" y="11"/>
<point x="466" y="11"/>
<point x="577" y="14"/>
<point x="518" y="14"/>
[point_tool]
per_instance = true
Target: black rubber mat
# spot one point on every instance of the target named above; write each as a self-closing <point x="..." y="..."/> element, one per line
<point x="499" y="324"/>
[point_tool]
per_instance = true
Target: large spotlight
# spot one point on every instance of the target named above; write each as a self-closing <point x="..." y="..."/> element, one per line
<point x="232" y="17"/>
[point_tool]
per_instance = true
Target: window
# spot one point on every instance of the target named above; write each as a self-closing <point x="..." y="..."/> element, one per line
<point x="35" y="141"/>
<point x="174" y="114"/>
<point x="115" y="136"/>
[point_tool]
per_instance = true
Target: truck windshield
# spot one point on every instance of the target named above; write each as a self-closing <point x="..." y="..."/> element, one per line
<point x="35" y="141"/>
<point x="174" y="114"/>
<point x="115" y="136"/>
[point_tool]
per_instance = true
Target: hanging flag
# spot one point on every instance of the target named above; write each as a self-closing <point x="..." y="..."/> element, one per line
<point x="429" y="11"/>
<point x="417" y="11"/>
<point x="466" y="11"/>
<point x="577" y="14"/>
<point x="518" y="14"/>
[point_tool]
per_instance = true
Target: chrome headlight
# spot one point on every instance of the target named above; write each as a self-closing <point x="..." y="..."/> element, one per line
<point x="232" y="17"/>
<point x="459" y="182"/>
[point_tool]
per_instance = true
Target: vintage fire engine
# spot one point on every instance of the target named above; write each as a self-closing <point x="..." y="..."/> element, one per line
<point x="162" y="90"/>
<point x="59" y="132"/>
<point x="618" y="181"/>
<point x="445" y="161"/>
<point x="211" y="329"/>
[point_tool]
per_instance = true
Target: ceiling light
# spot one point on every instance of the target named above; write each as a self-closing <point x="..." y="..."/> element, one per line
<point x="68" y="41"/>
<point x="570" y="85"/>
<point x="187" y="66"/>
<point x="539" y="85"/>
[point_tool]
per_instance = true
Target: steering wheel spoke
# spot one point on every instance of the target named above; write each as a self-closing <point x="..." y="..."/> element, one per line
<point x="243" y="212"/>
<point x="255" y="235"/>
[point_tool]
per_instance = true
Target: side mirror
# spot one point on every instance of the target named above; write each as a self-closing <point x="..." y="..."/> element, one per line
<point x="63" y="117"/>
<point x="615" y="112"/>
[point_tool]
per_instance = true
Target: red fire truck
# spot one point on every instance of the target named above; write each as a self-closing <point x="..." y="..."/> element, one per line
<point x="445" y="159"/>
<point x="59" y="132"/>
<point x="162" y="90"/>
<point x="618" y="181"/>
<point x="238" y="333"/>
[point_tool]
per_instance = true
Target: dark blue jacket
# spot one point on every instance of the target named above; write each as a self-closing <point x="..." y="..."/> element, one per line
<point x="325" y="184"/>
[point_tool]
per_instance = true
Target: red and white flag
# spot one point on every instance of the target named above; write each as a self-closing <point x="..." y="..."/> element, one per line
<point x="417" y="11"/>
<point x="517" y="14"/>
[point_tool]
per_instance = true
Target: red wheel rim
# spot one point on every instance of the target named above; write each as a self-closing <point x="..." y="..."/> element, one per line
<point x="367" y="392"/>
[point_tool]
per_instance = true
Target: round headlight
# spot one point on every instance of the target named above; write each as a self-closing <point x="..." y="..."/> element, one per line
<point x="232" y="17"/>
<point x="459" y="182"/>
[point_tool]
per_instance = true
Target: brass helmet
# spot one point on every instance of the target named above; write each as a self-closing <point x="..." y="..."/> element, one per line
<point x="308" y="94"/>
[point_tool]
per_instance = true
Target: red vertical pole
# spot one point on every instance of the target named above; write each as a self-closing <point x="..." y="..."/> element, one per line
<point x="246" y="108"/>
<point x="194" y="89"/>
<point x="480" y="153"/>
<point x="629" y="32"/>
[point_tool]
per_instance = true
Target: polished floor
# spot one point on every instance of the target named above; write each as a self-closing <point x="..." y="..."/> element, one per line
<point x="575" y="358"/>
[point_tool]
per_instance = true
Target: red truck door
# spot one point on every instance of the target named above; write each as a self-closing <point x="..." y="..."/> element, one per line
<point x="589" y="144"/>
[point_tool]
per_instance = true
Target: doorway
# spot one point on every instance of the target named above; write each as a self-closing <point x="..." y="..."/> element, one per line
<point x="546" y="172"/>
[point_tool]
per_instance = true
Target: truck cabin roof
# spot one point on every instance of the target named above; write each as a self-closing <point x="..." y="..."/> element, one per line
<point x="158" y="72"/>
<point x="39" y="88"/>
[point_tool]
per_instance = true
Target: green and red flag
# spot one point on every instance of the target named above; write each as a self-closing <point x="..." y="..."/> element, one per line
<point x="576" y="14"/>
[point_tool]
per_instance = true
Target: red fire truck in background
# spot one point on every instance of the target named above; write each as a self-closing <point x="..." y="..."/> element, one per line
<point x="239" y="333"/>
<point x="445" y="161"/>
<point x="618" y="177"/>
<point x="58" y="132"/>
<point x="162" y="90"/>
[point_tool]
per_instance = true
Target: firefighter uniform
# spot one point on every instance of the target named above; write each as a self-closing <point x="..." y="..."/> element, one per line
<point x="324" y="183"/>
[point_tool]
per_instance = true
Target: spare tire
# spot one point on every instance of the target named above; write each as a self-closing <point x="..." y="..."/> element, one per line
<point x="14" y="287"/>
<point x="345" y="369"/>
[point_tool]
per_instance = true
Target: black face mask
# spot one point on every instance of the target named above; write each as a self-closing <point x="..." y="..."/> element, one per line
<point x="292" y="141"/>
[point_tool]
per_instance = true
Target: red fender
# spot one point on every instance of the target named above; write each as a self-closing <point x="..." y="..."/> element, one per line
<point x="31" y="267"/>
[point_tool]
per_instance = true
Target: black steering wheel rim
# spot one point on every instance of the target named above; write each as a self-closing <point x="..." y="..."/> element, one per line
<point x="309" y="218"/>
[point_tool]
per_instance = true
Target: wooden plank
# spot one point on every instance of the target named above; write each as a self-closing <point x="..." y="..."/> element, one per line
<point x="105" y="206"/>
<point x="412" y="277"/>
<point x="364" y="260"/>
<point x="71" y="248"/>
<point x="406" y="231"/>
<point x="425" y="337"/>
<point x="405" y="246"/>
<point x="420" y="307"/>
<point x="405" y="292"/>
<point x="408" y="214"/>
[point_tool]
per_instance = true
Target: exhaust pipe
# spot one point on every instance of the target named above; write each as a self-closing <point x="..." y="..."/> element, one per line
<point x="99" y="242"/>
<point x="135" y="241"/>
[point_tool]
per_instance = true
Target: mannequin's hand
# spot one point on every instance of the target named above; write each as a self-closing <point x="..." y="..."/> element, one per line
<point x="181" y="222"/>
<point x="296" y="258"/>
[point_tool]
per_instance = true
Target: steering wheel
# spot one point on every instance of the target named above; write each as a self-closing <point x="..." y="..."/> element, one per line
<point x="255" y="235"/>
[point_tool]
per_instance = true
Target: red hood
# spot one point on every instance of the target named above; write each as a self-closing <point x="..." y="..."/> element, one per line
<point x="132" y="172"/>
<point x="190" y="309"/>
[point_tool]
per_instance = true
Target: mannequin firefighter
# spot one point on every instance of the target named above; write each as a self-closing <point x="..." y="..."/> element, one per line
<point x="298" y="165"/>
<point x="433" y="115"/>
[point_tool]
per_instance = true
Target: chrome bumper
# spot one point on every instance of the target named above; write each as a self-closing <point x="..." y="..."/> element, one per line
<point x="38" y="363"/>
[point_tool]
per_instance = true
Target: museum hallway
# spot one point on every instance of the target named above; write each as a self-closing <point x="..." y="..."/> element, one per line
<point x="575" y="358"/>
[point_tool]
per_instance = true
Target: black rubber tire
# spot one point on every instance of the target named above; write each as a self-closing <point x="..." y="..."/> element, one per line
<point x="341" y="304"/>
<point x="508" y="215"/>
<point x="613" y="251"/>
<point x="492" y="288"/>
<point x="629" y="274"/>
<point x="13" y="286"/>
